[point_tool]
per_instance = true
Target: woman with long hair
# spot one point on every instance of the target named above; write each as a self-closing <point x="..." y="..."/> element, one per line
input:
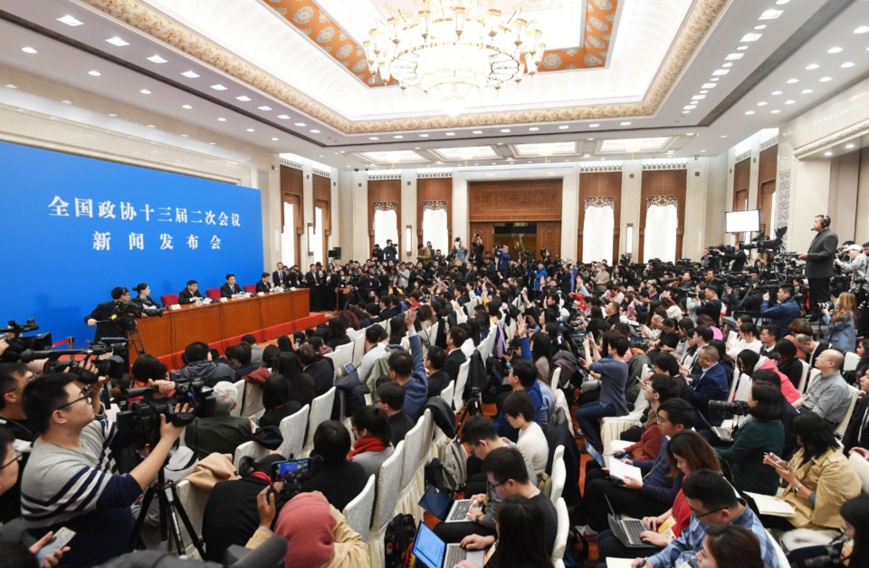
<point x="301" y="384"/>
<point x="841" y="327"/>
<point x="729" y="546"/>
<point x="760" y="434"/>
<point x="373" y="434"/>
<point x="817" y="479"/>
<point x="336" y="332"/>
<point x="687" y="452"/>
<point x="541" y="353"/>
<point x="855" y="553"/>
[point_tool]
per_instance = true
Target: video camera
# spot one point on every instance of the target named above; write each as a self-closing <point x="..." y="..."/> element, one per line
<point x="18" y="344"/>
<point x="736" y="408"/>
<point x="113" y="367"/>
<point x="143" y="416"/>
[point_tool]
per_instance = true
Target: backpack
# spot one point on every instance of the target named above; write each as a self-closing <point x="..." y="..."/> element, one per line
<point x="454" y="459"/>
<point x="436" y="474"/>
<point x="398" y="542"/>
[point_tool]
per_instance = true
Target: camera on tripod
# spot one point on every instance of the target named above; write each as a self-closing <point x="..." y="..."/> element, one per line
<point x="736" y="408"/>
<point x="18" y="344"/>
<point x="143" y="416"/>
<point x="113" y="366"/>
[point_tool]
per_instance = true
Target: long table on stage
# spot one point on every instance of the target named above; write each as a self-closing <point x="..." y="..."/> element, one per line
<point x="223" y="323"/>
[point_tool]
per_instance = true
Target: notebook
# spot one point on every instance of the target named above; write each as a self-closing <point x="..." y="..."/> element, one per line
<point x="769" y="505"/>
<point x="431" y="552"/>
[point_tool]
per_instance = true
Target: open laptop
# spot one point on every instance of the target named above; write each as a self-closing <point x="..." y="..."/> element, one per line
<point x="431" y="552"/>
<point x="626" y="530"/>
<point x="443" y="506"/>
<point x="617" y="468"/>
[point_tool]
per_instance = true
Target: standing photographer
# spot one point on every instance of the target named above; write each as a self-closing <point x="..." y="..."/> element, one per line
<point x="819" y="263"/>
<point x="101" y="317"/>
<point x="70" y="481"/>
<point x="859" y="269"/>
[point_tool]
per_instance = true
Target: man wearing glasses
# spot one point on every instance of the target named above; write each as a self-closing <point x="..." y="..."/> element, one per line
<point x="13" y="378"/>
<point x="71" y="480"/>
<point x="713" y="502"/>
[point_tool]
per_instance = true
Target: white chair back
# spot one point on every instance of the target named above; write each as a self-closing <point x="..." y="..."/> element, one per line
<point x="321" y="410"/>
<point x="293" y="431"/>
<point x="556" y="376"/>
<point x="561" y="531"/>
<point x="388" y="484"/>
<point x="813" y="375"/>
<point x="851" y="361"/>
<point x="253" y="400"/>
<point x="447" y="393"/>
<point x="861" y="466"/>
<point x="780" y="555"/>
<point x="559" y="477"/>
<point x="239" y="398"/>
<point x="412" y="448"/>
<point x="804" y="377"/>
<point x="358" y="511"/>
<point x="742" y="390"/>
<point x="193" y="501"/>
<point x="843" y="425"/>
<point x="428" y="429"/>
<point x="359" y="348"/>
<point x="460" y="385"/>
<point x="251" y="449"/>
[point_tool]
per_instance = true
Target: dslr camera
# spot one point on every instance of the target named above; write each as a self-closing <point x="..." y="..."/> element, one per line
<point x="736" y="408"/>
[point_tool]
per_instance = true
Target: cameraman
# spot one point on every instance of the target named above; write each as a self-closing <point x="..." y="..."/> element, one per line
<point x="711" y="306"/>
<point x="859" y="269"/>
<point x="101" y="317"/>
<point x="69" y="479"/>
<point x="819" y="263"/>
<point x="785" y="311"/>
<point x="13" y="378"/>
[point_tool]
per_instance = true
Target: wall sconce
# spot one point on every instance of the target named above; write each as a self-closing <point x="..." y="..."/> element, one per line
<point x="629" y="238"/>
<point x="310" y="239"/>
<point x="408" y="236"/>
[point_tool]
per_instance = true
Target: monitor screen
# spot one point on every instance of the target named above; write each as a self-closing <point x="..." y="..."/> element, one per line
<point x="742" y="221"/>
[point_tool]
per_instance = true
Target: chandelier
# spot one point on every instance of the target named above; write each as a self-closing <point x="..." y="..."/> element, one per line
<point x="452" y="50"/>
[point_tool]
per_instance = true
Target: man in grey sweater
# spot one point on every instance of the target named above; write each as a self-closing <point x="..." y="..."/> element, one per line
<point x="829" y="395"/>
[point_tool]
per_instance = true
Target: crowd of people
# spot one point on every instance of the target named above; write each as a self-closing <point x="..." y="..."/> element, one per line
<point x="722" y="406"/>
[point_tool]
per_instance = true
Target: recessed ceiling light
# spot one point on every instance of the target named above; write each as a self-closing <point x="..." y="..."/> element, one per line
<point x="862" y="30"/>
<point x="793" y="81"/>
<point x="781" y="2"/>
<point x="590" y="139"/>
<point x="418" y="148"/>
<point x="284" y="116"/>
<point x="533" y="129"/>
<point x="749" y="112"/>
<point x="762" y="103"/>
<point x="191" y="74"/>
<point x="70" y="21"/>
<point x="834" y="50"/>
<point x="477" y="132"/>
<point x="185" y="136"/>
<point x="449" y="134"/>
<point x="750" y="37"/>
<point x="250" y="130"/>
<point x="118" y="42"/>
<point x="708" y="86"/>
<point x="812" y="66"/>
<point x="828" y="154"/>
<point x="423" y="135"/>
<point x="264" y="108"/>
<point x="275" y="140"/>
<point x="806" y="91"/>
<point x="720" y="72"/>
<point x="564" y="127"/>
<point x="771" y="14"/>
<point x="715" y="79"/>
<point x="29" y="50"/>
<point x="213" y="143"/>
<point x="145" y="91"/>
<point x="94" y="73"/>
<point x="11" y="86"/>
<point x="300" y="124"/>
<point x="847" y="64"/>
<point x="825" y="79"/>
<point x="690" y="134"/>
<point x="689" y="107"/>
<point x="586" y="155"/>
<point x="686" y="112"/>
<point x="186" y="107"/>
<point x="734" y="56"/>
<point x="724" y="135"/>
<point x="398" y="137"/>
<point x="698" y="97"/>
<point x="243" y="98"/>
<point x="702" y="151"/>
<point x="727" y="65"/>
<point x="760" y="27"/>
<point x="790" y="102"/>
<point x="152" y="126"/>
<point x="66" y="102"/>
<point x="742" y="48"/>
<point x="849" y="146"/>
<point x="775" y="93"/>
<point x="221" y="119"/>
<point x="505" y="130"/>
<point x="774" y="111"/>
<point x="218" y="87"/>
<point x="113" y="115"/>
<point x="625" y="123"/>
<point x="157" y="59"/>
<point x="315" y="131"/>
<point x="595" y="125"/>
<point x="373" y="138"/>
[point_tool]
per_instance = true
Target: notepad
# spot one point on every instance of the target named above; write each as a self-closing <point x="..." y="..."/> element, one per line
<point x="620" y="470"/>
<point x="768" y="505"/>
<point x="619" y="562"/>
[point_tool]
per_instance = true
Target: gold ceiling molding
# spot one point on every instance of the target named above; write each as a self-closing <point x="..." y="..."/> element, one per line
<point x="859" y="129"/>
<point x="310" y="19"/>
<point x="147" y="20"/>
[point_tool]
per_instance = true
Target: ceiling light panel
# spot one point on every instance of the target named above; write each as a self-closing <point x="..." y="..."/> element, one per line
<point x="117" y="42"/>
<point x="546" y="149"/>
<point x="392" y="156"/>
<point x="771" y="14"/>
<point x="157" y="59"/>
<point x="466" y="153"/>
<point x="631" y="145"/>
<point x="70" y="21"/>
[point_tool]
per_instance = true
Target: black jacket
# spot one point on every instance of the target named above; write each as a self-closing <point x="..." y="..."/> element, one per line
<point x="849" y="440"/>
<point x="322" y="372"/>
<point x="264" y="286"/>
<point x="185" y="296"/>
<point x="340" y="484"/>
<point x="453" y="362"/>
<point x="821" y="252"/>
<point x="106" y="327"/>
<point x="226" y="291"/>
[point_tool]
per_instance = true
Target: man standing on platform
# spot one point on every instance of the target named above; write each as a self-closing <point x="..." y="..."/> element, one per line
<point x="279" y="276"/>
<point x="819" y="264"/>
<point x="230" y="289"/>
<point x="190" y="294"/>
<point x="101" y="317"/>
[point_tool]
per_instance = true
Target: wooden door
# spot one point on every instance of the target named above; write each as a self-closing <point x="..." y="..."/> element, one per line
<point x="487" y="231"/>
<point x="549" y="237"/>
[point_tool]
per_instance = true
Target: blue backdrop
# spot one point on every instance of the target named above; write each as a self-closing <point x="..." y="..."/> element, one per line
<point x="74" y="228"/>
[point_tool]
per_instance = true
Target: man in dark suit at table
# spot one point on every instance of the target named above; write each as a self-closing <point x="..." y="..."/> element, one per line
<point x="190" y="294"/>
<point x="264" y="284"/>
<point x="279" y="276"/>
<point x="230" y="289"/>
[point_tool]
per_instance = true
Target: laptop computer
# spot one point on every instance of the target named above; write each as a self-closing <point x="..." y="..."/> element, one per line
<point x="626" y="530"/>
<point x="444" y="507"/>
<point x="431" y="552"/>
<point x="617" y="468"/>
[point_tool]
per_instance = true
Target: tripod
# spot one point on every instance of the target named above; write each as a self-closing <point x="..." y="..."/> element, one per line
<point x="170" y="511"/>
<point x="474" y="407"/>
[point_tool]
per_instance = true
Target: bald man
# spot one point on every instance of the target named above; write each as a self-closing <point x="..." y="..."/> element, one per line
<point x="829" y="395"/>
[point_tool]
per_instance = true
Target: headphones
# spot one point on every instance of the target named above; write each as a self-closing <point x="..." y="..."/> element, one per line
<point x="825" y="221"/>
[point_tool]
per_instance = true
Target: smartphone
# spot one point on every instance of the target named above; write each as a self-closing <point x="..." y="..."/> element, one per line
<point x="60" y="539"/>
<point x="299" y="469"/>
<point x="350" y="368"/>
